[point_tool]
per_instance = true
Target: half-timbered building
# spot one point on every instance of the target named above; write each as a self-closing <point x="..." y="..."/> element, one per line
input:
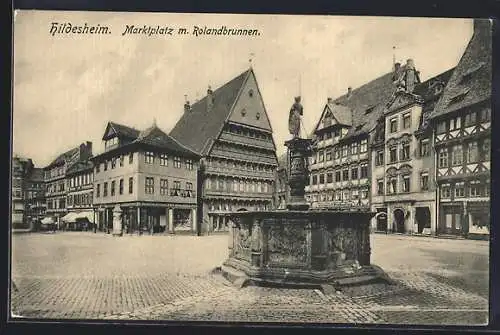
<point x="462" y="132"/>
<point x="230" y="129"/>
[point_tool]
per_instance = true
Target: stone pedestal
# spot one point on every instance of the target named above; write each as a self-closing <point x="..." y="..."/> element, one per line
<point x="298" y="176"/>
<point x="117" y="221"/>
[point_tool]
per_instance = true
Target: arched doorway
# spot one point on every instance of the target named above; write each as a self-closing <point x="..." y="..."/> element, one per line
<point x="399" y="220"/>
<point x="423" y="217"/>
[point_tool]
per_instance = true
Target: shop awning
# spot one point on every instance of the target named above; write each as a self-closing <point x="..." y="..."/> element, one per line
<point x="48" y="220"/>
<point x="70" y="217"/>
<point x="85" y="215"/>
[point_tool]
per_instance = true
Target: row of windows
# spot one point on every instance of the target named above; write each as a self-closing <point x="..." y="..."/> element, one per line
<point x="340" y="151"/>
<point x="467" y="120"/>
<point x="461" y="189"/>
<point x="404" y="152"/>
<point x="111" y="142"/>
<point x="56" y="204"/>
<point x="84" y="199"/>
<point x="227" y="164"/>
<point x="247" y="132"/>
<point x="341" y="175"/>
<point x="81" y="180"/>
<point x="149" y="158"/>
<point x="394" y="122"/>
<point x="471" y="152"/>
<point x="54" y="172"/>
<point x="236" y="185"/>
<point x="56" y="187"/>
<point x="230" y="207"/>
<point x="149" y="187"/>
<point x="340" y="195"/>
<point x="336" y="134"/>
<point x="404" y="182"/>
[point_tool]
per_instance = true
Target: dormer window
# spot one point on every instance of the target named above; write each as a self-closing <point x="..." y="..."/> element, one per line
<point x="111" y="142"/>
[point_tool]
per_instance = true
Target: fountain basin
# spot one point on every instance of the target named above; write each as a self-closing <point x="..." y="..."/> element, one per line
<point x="310" y="248"/>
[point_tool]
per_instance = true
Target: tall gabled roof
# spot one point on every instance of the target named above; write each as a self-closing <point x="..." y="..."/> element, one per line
<point x="62" y="158"/>
<point x="156" y="137"/>
<point x="197" y="127"/>
<point x="470" y="83"/>
<point x="121" y="130"/>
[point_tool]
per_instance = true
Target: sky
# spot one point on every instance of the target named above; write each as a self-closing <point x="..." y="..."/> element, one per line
<point x="67" y="87"/>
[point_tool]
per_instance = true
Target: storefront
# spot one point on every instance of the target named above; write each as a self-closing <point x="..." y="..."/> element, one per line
<point x="452" y="220"/>
<point x="479" y="218"/>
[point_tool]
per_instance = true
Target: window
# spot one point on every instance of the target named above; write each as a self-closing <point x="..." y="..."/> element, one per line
<point x="121" y="160"/>
<point x="345" y="175"/>
<point x="120" y="187"/>
<point x="406" y="184"/>
<point x="379" y="158"/>
<point x="113" y="163"/>
<point x="163" y="160"/>
<point x="177" y="185"/>
<point x="354" y="173"/>
<point x="131" y="185"/>
<point x="485" y="115"/>
<point x="131" y="158"/>
<point x="150" y="185"/>
<point x="364" y="170"/>
<point x="329" y="178"/>
<point x="393" y="125"/>
<point x="364" y="192"/>
<point x="472" y="152"/>
<point x="445" y="191"/>
<point x="393" y="155"/>
<point x="336" y="152"/>
<point x="189" y="186"/>
<point x="163" y="186"/>
<point x="113" y="188"/>
<point x="337" y="176"/>
<point x="189" y="164"/>
<point x="149" y="157"/>
<point x="106" y="166"/>
<point x="475" y="188"/>
<point x="177" y="162"/>
<point x="424" y="148"/>
<point x="486" y="149"/>
<point x="443" y="158"/>
<point x="322" y="178"/>
<point x="457" y="155"/>
<point x="314" y="179"/>
<point x="328" y="135"/>
<point x="328" y="155"/>
<point x="424" y="181"/>
<point x="406" y="121"/>
<point x="105" y="190"/>
<point x="455" y="123"/>
<point x="405" y="151"/>
<point x="441" y="127"/>
<point x="470" y="119"/>
<point x="380" y="187"/>
<point x="321" y="156"/>
<point x="391" y="186"/>
<point x="364" y="146"/>
<point x="344" y="151"/>
<point x="459" y="190"/>
<point x="355" y="194"/>
<point x="354" y="148"/>
<point x="98" y="190"/>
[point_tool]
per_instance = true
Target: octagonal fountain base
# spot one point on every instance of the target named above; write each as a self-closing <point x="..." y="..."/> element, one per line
<point x="302" y="249"/>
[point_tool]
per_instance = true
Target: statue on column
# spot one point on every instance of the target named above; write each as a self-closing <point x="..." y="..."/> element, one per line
<point x="295" y="117"/>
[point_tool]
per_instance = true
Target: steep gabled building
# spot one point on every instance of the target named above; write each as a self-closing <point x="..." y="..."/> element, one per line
<point x="150" y="177"/>
<point x="230" y="129"/>
<point x="462" y="131"/>
<point x="402" y="164"/>
<point x="35" y="203"/>
<point x="340" y="163"/>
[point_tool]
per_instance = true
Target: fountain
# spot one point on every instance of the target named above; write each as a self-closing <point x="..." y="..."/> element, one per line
<point x="300" y="247"/>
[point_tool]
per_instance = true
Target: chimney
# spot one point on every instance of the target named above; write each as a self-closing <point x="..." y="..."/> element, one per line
<point x="349" y="91"/>
<point x="210" y="99"/>
<point x="329" y="100"/>
<point x="411" y="76"/>
<point x="85" y="150"/>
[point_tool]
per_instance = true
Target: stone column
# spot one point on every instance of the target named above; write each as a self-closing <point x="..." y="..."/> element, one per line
<point x="298" y="152"/>
<point x="308" y="229"/>
<point x="171" y="220"/>
<point x="117" y="221"/>
<point x="193" y="220"/>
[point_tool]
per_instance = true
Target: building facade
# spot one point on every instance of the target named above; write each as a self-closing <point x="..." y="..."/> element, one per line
<point x="462" y="133"/>
<point x="35" y="204"/>
<point x="402" y="159"/>
<point x="150" y="177"/>
<point x="80" y="185"/>
<point x="55" y="180"/>
<point x="21" y="169"/>
<point x="230" y="129"/>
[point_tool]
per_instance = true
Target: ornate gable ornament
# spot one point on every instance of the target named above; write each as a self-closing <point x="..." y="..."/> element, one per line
<point x="405" y="169"/>
<point x="401" y="100"/>
<point x="391" y="172"/>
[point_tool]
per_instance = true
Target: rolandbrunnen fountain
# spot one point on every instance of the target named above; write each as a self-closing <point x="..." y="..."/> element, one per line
<point x="300" y="247"/>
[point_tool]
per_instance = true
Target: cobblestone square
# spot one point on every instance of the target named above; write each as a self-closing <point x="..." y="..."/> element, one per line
<point x="79" y="275"/>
